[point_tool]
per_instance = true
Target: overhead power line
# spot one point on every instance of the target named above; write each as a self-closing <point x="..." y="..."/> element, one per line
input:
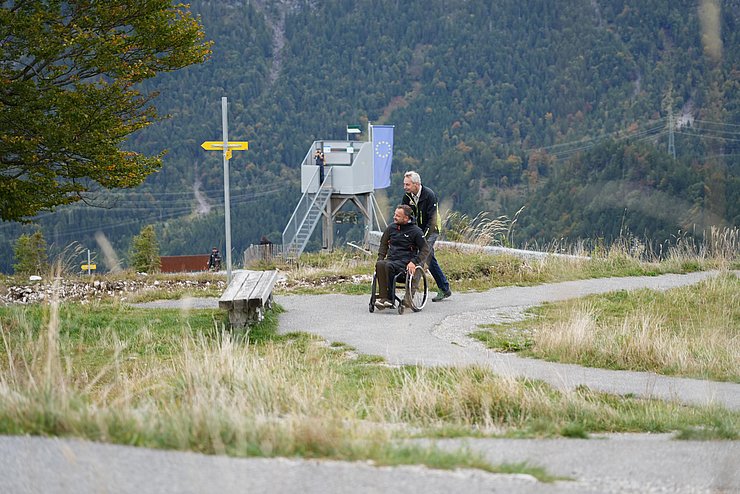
<point x="584" y="143"/>
<point x="642" y="135"/>
<point x="708" y="136"/>
<point x="658" y="128"/>
<point x="574" y="147"/>
<point x="167" y="210"/>
<point x="722" y="124"/>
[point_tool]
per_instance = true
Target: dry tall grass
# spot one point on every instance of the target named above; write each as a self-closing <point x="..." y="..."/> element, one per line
<point x="291" y="397"/>
<point x="215" y="396"/>
<point x="218" y="395"/>
<point x="721" y="245"/>
<point x="481" y="230"/>
<point x="689" y="331"/>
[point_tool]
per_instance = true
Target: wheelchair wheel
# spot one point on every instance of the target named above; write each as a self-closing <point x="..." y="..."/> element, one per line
<point x="417" y="286"/>
<point x="373" y="292"/>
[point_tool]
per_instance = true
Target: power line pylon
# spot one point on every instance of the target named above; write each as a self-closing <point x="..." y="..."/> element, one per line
<point x="668" y="107"/>
<point x="671" y="141"/>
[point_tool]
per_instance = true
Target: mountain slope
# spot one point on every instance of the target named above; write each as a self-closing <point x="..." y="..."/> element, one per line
<point x="489" y="103"/>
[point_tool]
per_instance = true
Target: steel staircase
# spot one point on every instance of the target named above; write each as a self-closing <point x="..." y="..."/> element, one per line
<point x="306" y="216"/>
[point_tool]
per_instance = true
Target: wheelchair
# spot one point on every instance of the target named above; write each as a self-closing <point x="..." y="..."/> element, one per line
<point x="405" y="291"/>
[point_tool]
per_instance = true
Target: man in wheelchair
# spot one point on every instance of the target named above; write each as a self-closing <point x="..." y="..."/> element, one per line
<point x="402" y="248"/>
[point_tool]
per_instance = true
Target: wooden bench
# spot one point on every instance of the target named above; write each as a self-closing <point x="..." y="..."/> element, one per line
<point x="248" y="296"/>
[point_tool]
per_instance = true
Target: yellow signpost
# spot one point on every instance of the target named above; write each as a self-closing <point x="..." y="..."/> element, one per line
<point x="226" y="147"/>
<point x="219" y="146"/>
<point x="88" y="267"/>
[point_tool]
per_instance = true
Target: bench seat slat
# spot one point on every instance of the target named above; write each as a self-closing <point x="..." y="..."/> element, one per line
<point x="248" y="291"/>
<point x="234" y="286"/>
<point x="263" y="288"/>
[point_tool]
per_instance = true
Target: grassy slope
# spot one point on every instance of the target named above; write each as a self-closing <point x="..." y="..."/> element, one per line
<point x="690" y="331"/>
<point x="171" y="379"/>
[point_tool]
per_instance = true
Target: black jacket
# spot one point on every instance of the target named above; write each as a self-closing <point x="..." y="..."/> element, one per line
<point x="425" y="212"/>
<point x="403" y="243"/>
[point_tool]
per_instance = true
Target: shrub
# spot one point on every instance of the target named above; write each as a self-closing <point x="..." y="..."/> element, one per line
<point x="30" y="252"/>
<point x="145" y="251"/>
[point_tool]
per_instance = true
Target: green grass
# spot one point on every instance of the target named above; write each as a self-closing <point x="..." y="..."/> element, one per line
<point x="691" y="331"/>
<point x="510" y="337"/>
<point x="350" y="271"/>
<point x="464" y="458"/>
<point x="176" y="380"/>
<point x="713" y="433"/>
<point x="213" y="291"/>
<point x="338" y="272"/>
<point x="112" y="376"/>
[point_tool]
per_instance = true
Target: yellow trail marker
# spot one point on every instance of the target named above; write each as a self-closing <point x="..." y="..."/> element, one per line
<point x="231" y="146"/>
<point x="86" y="267"/>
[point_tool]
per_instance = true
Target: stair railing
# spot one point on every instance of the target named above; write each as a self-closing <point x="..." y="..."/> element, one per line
<point x="299" y="224"/>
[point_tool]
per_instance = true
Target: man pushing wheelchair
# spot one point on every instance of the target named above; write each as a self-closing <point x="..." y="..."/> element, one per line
<point x="402" y="249"/>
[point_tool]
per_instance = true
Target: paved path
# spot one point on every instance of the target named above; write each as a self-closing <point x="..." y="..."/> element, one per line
<point x="634" y="464"/>
<point x="438" y="335"/>
<point x="629" y="463"/>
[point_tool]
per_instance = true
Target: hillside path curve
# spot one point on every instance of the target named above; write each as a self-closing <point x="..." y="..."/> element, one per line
<point x="438" y="335"/>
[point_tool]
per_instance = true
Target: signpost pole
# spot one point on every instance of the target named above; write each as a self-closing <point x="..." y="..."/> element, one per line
<point x="227" y="197"/>
<point x="226" y="148"/>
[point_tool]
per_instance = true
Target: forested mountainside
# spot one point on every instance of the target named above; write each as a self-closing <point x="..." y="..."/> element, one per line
<point x="565" y="107"/>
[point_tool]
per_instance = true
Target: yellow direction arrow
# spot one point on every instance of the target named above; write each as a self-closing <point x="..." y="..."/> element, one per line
<point x="231" y="146"/>
<point x="219" y="145"/>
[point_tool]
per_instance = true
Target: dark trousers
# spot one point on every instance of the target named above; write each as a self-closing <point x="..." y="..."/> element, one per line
<point x="385" y="272"/>
<point x="436" y="271"/>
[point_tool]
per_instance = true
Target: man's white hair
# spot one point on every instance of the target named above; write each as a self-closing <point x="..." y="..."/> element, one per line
<point x="415" y="178"/>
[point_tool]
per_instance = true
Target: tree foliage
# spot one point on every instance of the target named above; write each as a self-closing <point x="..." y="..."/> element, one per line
<point x="31" y="255"/>
<point x="491" y="102"/>
<point x="482" y="94"/>
<point x="145" y="251"/>
<point x="617" y="189"/>
<point x="68" y="99"/>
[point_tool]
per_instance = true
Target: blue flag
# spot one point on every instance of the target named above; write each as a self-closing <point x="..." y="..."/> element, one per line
<point x="382" y="155"/>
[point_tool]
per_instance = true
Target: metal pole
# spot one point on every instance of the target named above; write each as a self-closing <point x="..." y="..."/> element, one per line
<point x="227" y="198"/>
<point x="88" y="262"/>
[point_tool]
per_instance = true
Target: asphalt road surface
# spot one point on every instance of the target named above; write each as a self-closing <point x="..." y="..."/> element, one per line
<point x="438" y="335"/>
<point x="629" y="463"/>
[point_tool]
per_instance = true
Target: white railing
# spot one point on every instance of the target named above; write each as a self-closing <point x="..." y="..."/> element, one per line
<point x="298" y="221"/>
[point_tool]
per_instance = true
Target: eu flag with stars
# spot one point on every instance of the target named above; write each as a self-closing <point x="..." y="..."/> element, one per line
<point x="382" y="155"/>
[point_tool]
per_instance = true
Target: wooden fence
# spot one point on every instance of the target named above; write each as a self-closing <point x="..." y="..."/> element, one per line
<point x="184" y="264"/>
<point x="263" y="252"/>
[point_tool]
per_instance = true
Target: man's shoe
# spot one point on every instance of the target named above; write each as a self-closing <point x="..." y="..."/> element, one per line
<point x="388" y="304"/>
<point x="380" y="303"/>
<point x="442" y="295"/>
